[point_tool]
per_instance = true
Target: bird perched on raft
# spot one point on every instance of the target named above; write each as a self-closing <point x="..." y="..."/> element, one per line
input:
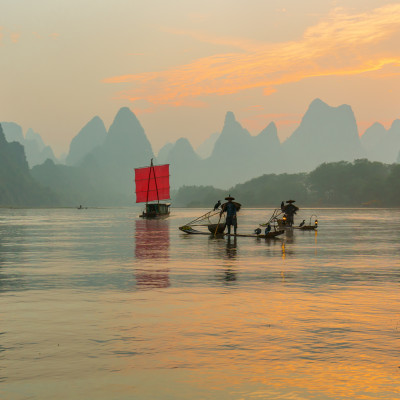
<point x="302" y="222"/>
<point x="257" y="231"/>
<point x="217" y="205"/>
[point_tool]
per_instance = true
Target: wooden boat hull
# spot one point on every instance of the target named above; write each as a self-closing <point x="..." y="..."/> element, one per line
<point x="269" y="235"/>
<point x="306" y="227"/>
<point x="189" y="230"/>
<point x="153" y="216"/>
<point x="216" y="228"/>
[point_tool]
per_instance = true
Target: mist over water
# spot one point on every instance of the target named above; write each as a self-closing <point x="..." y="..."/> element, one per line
<point x="98" y="303"/>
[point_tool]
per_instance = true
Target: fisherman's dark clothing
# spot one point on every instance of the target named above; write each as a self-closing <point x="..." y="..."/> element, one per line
<point x="290" y="210"/>
<point x="231" y="219"/>
<point x="230" y="209"/>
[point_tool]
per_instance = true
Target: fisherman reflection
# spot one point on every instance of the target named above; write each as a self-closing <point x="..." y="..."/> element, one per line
<point x="289" y="236"/>
<point x="229" y="274"/>
<point x="231" y="247"/>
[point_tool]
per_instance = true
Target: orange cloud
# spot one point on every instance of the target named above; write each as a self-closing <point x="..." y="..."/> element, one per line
<point x="15" y="37"/>
<point x="342" y="44"/>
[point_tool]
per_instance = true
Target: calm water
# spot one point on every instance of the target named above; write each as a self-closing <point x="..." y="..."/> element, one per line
<point x="98" y="304"/>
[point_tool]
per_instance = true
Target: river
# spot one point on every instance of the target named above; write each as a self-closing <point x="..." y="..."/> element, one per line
<point x="99" y="304"/>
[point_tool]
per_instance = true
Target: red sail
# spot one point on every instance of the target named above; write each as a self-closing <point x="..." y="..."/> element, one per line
<point x="152" y="183"/>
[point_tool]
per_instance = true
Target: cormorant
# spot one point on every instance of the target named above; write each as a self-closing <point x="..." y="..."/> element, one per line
<point x="257" y="231"/>
<point x="303" y="222"/>
<point x="217" y="205"/>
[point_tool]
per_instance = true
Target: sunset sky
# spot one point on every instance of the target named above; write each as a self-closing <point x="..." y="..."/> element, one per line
<point x="181" y="65"/>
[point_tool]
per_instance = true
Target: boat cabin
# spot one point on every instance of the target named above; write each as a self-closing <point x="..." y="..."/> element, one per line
<point x="154" y="210"/>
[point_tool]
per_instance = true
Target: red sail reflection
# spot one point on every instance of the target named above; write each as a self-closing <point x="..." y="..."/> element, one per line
<point x="152" y="248"/>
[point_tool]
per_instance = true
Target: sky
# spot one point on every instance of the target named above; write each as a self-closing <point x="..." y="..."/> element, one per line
<point x="181" y="65"/>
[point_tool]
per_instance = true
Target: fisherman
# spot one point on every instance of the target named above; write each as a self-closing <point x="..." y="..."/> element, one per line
<point x="282" y="206"/>
<point x="230" y="208"/>
<point x="217" y="205"/>
<point x="290" y="211"/>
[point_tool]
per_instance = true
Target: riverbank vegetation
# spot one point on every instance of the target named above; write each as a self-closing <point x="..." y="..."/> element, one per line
<point x="361" y="183"/>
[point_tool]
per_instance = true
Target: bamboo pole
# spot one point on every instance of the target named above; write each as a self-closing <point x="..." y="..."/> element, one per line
<point x="216" y="229"/>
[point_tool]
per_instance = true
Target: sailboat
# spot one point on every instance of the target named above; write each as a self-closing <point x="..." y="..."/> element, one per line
<point x="152" y="185"/>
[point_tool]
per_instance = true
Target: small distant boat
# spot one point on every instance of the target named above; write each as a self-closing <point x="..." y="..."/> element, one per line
<point x="310" y="227"/>
<point x="280" y="218"/>
<point x="152" y="185"/>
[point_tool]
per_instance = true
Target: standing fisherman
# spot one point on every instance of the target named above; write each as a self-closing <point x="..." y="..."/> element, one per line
<point x="290" y="211"/>
<point x="230" y="208"/>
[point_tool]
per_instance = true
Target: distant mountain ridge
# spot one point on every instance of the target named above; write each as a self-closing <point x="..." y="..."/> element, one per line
<point x="106" y="160"/>
<point x="205" y="149"/>
<point x="325" y="134"/>
<point x="381" y="144"/>
<point x="17" y="187"/>
<point x="111" y="165"/>
<point x="35" y="149"/>
<point x="92" y="135"/>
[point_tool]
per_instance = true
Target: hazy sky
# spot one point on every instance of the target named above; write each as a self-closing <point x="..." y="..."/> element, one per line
<point x="180" y="65"/>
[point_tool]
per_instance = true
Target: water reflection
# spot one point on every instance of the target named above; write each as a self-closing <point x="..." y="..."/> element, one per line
<point x="152" y="249"/>
<point x="278" y="318"/>
<point x="289" y="235"/>
<point x="228" y="251"/>
<point x="231" y="247"/>
<point x="13" y="245"/>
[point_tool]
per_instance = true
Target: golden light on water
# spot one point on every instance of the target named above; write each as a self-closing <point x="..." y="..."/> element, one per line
<point x="118" y="307"/>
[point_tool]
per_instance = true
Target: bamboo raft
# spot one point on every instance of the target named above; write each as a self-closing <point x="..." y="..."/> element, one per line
<point x="189" y="230"/>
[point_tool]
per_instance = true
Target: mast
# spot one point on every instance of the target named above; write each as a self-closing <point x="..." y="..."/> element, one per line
<point x="148" y="182"/>
<point x="155" y="181"/>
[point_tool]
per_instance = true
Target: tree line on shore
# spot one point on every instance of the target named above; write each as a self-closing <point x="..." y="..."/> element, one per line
<point x="361" y="183"/>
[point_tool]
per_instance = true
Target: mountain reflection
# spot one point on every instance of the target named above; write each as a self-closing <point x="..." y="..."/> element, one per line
<point x="152" y="248"/>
